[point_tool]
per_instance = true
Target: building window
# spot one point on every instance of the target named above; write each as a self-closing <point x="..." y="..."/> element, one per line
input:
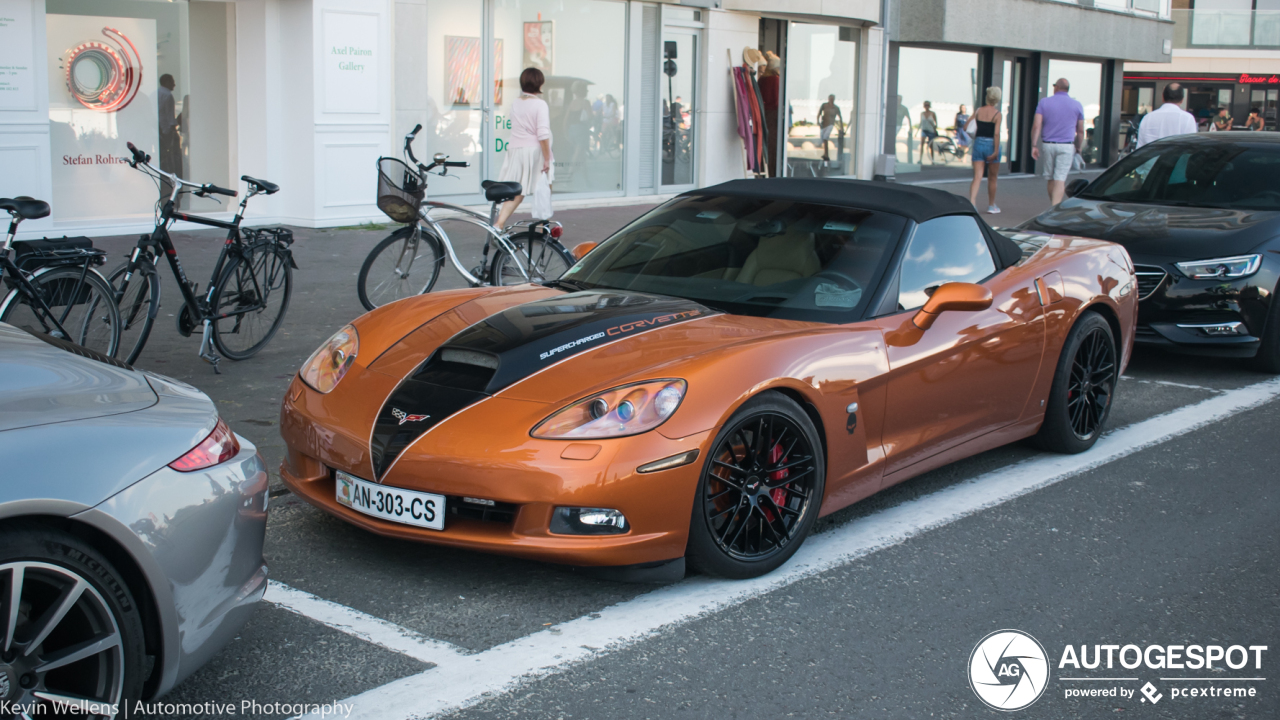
<point x="152" y="73"/>
<point x="1086" y="87"/>
<point x="933" y="85"/>
<point x="822" y="72"/>
<point x="580" y="45"/>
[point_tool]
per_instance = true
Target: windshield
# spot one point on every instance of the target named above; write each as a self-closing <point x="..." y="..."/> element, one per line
<point x="749" y="256"/>
<point x="1201" y="174"/>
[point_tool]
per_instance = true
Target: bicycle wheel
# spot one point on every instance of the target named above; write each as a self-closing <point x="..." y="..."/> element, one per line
<point x="405" y="263"/>
<point x="545" y="258"/>
<point x="85" y="308"/>
<point x="139" y="304"/>
<point x="250" y="300"/>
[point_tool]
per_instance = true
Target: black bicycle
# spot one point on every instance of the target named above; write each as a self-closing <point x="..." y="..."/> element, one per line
<point x="249" y="288"/>
<point x="51" y="285"/>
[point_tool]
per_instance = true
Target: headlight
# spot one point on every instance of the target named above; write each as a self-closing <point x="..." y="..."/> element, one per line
<point x="330" y="361"/>
<point x="1231" y="267"/>
<point x="626" y="410"/>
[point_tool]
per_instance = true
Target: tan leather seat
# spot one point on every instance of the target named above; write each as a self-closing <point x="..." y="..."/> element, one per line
<point x="779" y="259"/>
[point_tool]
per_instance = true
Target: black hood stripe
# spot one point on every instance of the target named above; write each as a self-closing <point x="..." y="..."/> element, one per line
<point x="508" y="347"/>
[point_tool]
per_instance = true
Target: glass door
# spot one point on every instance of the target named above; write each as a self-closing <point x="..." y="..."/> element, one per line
<point x="451" y="95"/>
<point x="821" y="71"/>
<point x="678" y="90"/>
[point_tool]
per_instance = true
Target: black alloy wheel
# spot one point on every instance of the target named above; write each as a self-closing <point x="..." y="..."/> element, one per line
<point x="1092" y="383"/>
<point x="71" y="638"/>
<point x="1084" y="387"/>
<point x="760" y="490"/>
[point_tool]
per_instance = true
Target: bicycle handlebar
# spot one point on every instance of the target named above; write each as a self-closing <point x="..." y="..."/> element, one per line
<point x="138" y="155"/>
<point x="142" y="159"/>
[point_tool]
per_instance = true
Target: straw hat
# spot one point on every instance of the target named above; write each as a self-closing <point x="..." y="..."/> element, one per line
<point x="752" y="56"/>
<point x="775" y="62"/>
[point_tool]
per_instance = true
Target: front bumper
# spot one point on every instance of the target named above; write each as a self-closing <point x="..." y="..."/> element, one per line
<point x="1177" y="313"/>
<point x="486" y="452"/>
<point x="202" y="534"/>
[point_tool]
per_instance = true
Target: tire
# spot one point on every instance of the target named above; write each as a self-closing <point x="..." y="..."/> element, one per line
<point x="1084" y="386"/>
<point x="44" y="564"/>
<point x="390" y="281"/>
<point x="139" y="307"/>
<point x="547" y="257"/>
<point x="262" y="276"/>
<point x="86" y="310"/>
<point x="1268" y="358"/>
<point x="720" y="545"/>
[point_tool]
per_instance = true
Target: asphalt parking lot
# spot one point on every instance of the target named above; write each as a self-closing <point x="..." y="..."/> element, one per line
<point x="1164" y="533"/>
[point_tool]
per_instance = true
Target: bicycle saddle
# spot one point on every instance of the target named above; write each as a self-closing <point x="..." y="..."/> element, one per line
<point x="269" y="188"/>
<point x="495" y="191"/>
<point x="28" y="208"/>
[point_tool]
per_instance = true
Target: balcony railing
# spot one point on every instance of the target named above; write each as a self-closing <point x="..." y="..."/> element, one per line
<point x="1227" y="29"/>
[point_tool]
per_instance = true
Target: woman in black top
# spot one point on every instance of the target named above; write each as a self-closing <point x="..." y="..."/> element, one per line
<point x="986" y="149"/>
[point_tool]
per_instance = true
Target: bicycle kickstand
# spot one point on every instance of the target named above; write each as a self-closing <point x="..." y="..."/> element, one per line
<point x="206" y="347"/>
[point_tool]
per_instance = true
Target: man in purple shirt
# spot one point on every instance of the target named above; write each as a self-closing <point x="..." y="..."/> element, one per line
<point x="1060" y="123"/>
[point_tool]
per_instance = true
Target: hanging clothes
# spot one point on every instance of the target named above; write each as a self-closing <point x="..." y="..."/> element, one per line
<point x="760" y="125"/>
<point x="748" y="136"/>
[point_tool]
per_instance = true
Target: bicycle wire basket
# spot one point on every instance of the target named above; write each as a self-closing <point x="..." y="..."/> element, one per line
<point x="400" y="190"/>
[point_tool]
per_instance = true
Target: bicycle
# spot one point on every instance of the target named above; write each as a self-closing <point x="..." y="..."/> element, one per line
<point x="248" y="290"/>
<point x="408" y="261"/>
<point x="53" y="287"/>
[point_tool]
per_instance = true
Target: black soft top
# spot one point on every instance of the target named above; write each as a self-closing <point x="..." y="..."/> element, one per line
<point x="910" y="201"/>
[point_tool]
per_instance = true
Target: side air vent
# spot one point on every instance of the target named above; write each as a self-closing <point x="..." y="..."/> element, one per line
<point x="469" y="357"/>
<point x="1150" y="278"/>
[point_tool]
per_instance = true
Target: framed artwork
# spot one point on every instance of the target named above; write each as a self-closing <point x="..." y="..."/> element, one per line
<point x="539" y="45"/>
<point x="462" y="70"/>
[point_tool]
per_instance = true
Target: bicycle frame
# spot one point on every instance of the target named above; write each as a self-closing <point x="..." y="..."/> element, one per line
<point x="470" y="217"/>
<point x="9" y="268"/>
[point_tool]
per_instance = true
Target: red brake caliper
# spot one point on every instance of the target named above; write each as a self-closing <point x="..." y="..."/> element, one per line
<point x="779" y="495"/>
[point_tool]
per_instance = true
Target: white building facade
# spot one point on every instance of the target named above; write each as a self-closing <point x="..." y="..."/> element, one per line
<point x="309" y="93"/>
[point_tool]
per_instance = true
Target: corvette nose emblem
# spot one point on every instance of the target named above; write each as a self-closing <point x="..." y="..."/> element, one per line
<point x="405" y="417"/>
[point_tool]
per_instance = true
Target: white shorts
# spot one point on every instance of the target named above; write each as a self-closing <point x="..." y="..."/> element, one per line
<point x="826" y="132"/>
<point x="1056" y="160"/>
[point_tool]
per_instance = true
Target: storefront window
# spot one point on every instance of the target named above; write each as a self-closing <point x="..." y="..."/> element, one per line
<point x="580" y="45"/>
<point x="932" y="86"/>
<point x="821" y="73"/>
<point x="154" y="73"/>
<point x="1086" y="87"/>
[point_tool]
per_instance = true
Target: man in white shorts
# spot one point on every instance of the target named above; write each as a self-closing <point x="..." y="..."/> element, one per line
<point x="1059" y="124"/>
<point x="828" y="114"/>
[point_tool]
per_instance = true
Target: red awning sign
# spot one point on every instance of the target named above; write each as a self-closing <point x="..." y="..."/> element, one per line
<point x="1247" y="79"/>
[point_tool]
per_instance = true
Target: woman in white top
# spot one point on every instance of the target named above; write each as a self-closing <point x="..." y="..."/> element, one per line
<point x="528" y="153"/>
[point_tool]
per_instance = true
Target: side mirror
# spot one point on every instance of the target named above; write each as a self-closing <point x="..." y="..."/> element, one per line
<point x="1075" y="186"/>
<point x="952" y="296"/>
<point x="581" y="249"/>
<point x="439" y="158"/>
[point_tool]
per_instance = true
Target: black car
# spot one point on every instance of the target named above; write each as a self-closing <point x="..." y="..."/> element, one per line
<point x="1200" y="216"/>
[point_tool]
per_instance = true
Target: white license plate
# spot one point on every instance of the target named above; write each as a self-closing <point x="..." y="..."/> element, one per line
<point x="402" y="506"/>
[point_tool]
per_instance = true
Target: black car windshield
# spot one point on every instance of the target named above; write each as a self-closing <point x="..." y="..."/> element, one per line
<point x="749" y="256"/>
<point x="1225" y="174"/>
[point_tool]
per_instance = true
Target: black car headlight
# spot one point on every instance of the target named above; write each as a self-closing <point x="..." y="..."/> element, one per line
<point x="1228" y="268"/>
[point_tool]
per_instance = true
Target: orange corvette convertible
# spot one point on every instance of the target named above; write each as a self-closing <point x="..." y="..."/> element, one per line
<point x="708" y="381"/>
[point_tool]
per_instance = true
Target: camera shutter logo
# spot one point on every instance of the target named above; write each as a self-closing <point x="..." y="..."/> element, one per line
<point x="1008" y="670"/>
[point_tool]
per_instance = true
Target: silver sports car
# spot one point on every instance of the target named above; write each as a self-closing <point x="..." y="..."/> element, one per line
<point x="131" y="529"/>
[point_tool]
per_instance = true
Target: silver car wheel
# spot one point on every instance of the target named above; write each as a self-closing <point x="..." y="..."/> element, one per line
<point x="60" y="644"/>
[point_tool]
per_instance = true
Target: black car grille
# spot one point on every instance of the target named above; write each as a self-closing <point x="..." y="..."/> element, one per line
<point x="1145" y="331"/>
<point x="498" y="512"/>
<point x="1150" y="278"/>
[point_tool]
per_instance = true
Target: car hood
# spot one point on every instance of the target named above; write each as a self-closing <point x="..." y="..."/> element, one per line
<point x="41" y="384"/>
<point x="1161" y="231"/>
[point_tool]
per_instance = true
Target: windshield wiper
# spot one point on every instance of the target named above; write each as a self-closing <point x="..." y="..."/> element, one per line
<point x="571" y="285"/>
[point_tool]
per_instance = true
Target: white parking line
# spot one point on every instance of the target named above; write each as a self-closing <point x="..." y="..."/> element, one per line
<point x="1171" y="384"/>
<point x="465" y="680"/>
<point x="366" y="627"/>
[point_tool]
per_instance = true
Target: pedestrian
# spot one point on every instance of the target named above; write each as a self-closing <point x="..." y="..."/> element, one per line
<point x="986" y="148"/>
<point x="1222" y="121"/>
<point x="928" y="130"/>
<point x="1059" y="124"/>
<point x="1167" y="120"/>
<point x="169" y="130"/>
<point x="962" y="135"/>
<point x="1255" y="121"/>
<point x="828" y="115"/>
<point x="528" y="154"/>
